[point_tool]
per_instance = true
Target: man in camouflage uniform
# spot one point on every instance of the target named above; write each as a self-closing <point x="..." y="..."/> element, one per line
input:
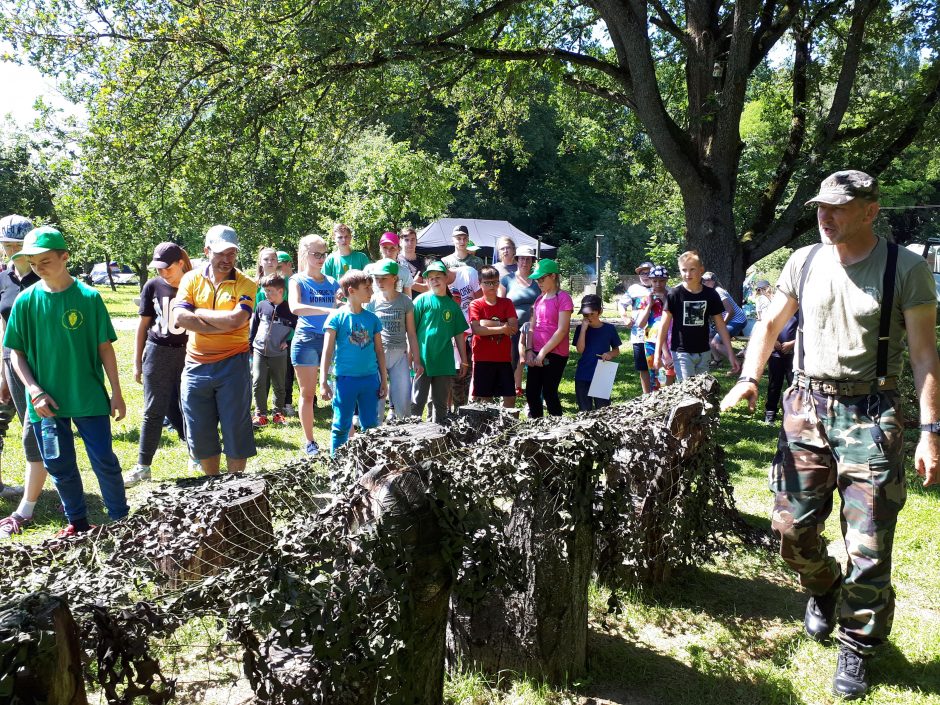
<point x="843" y="428"/>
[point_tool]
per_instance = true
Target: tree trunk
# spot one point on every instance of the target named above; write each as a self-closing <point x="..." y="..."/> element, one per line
<point x="40" y="656"/>
<point x="107" y="269"/>
<point x="540" y="630"/>
<point x="709" y="217"/>
<point x="140" y="269"/>
<point x="237" y="525"/>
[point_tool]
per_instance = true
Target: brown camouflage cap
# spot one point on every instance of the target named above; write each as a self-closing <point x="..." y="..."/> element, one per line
<point x="844" y="186"/>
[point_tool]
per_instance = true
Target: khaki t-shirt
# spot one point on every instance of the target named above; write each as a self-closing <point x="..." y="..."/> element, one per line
<point x="842" y="307"/>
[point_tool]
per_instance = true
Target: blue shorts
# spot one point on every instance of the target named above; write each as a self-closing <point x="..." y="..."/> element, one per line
<point x="736" y="328"/>
<point x="307" y="352"/>
<point x="214" y="394"/>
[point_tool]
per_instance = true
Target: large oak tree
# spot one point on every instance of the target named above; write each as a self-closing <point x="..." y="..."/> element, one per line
<point x="177" y="81"/>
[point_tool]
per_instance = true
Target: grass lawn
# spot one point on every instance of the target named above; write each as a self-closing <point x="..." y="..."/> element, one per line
<point x="121" y="301"/>
<point x="725" y="633"/>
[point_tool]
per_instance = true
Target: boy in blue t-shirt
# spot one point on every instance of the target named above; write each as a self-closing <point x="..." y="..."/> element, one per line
<point x="354" y="334"/>
<point x="594" y="340"/>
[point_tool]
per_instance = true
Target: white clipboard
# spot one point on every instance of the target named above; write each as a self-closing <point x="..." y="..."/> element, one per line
<point x="602" y="384"/>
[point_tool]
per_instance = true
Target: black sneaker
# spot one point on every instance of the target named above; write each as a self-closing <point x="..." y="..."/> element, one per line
<point x="851" y="680"/>
<point x="820" y="618"/>
<point x="770" y="417"/>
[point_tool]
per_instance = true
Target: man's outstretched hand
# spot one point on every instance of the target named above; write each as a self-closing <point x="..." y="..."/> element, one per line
<point x="742" y="391"/>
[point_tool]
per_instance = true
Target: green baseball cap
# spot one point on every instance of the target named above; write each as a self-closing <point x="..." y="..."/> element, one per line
<point x="543" y="267"/>
<point x="436" y="266"/>
<point x="283" y="256"/>
<point x="39" y="240"/>
<point x="471" y="247"/>
<point x="384" y="266"/>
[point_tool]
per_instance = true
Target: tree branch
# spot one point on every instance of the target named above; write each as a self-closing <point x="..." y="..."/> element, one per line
<point x="599" y="91"/>
<point x="665" y="21"/>
<point x="913" y="126"/>
<point x="777" y="187"/>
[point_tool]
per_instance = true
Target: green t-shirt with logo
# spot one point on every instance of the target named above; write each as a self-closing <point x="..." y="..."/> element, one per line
<point x="337" y="265"/>
<point x="59" y="332"/>
<point x="437" y="320"/>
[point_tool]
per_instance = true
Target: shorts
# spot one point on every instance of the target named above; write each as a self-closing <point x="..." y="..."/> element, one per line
<point x="736" y="328"/>
<point x="217" y="394"/>
<point x="493" y="379"/>
<point x="639" y="357"/>
<point x="306" y="352"/>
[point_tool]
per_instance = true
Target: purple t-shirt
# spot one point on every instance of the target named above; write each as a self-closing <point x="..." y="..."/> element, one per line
<point x="545" y="312"/>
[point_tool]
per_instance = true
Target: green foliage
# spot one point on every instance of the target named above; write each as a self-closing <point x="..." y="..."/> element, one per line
<point x="769" y="267"/>
<point x="662" y="250"/>
<point x="388" y="184"/>
<point x="30" y="173"/>
<point x="610" y="279"/>
<point x="568" y="263"/>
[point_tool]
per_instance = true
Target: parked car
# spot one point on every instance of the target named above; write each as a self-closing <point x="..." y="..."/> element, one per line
<point x="119" y="274"/>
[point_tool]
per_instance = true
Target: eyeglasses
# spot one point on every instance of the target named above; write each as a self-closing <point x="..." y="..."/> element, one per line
<point x="490" y="282"/>
<point x="317" y="255"/>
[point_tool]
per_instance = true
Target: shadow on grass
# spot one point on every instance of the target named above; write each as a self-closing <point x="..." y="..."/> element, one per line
<point x="626" y="673"/>
<point x="759" y="521"/>
<point x="891" y="667"/>
<point x="730" y="599"/>
<point x="128" y="435"/>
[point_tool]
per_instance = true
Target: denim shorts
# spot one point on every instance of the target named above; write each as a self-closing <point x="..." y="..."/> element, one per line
<point x="306" y="352"/>
<point x="218" y="394"/>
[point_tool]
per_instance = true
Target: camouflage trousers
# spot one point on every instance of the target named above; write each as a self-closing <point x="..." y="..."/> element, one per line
<point x="826" y="445"/>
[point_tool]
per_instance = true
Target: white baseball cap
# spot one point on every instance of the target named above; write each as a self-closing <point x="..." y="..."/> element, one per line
<point x="220" y="238"/>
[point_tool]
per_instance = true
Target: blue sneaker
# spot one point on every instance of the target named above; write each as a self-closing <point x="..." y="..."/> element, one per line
<point x="312" y="448"/>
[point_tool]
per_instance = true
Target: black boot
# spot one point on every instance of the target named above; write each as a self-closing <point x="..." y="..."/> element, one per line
<point x="851" y="681"/>
<point x="820" y="618"/>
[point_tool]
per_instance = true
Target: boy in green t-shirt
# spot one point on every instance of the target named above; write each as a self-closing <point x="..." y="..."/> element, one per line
<point x="343" y="258"/>
<point x="440" y="325"/>
<point x="60" y="335"/>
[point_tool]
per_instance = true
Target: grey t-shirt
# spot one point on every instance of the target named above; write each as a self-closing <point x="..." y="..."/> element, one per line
<point x="842" y="307"/>
<point x="392" y="314"/>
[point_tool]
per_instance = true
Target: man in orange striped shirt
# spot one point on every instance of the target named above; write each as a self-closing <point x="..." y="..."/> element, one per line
<point x="214" y="304"/>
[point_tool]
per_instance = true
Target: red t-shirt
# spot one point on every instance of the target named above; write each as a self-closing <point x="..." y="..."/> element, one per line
<point x="492" y="348"/>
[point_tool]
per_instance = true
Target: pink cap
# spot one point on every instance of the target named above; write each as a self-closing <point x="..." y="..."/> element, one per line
<point x="389" y="237"/>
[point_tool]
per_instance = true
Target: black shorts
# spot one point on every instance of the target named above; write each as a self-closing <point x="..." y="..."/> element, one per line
<point x="493" y="379"/>
<point x="639" y="357"/>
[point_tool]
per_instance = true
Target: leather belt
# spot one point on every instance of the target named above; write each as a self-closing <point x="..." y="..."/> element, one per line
<point x="839" y="388"/>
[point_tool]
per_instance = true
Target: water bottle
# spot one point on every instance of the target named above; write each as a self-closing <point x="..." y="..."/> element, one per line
<point x="50" y="438"/>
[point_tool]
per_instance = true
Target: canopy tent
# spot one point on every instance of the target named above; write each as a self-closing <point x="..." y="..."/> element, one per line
<point x="435" y="239"/>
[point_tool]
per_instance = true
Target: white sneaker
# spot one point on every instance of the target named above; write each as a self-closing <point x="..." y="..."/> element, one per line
<point x="289" y="410"/>
<point x="136" y="474"/>
<point x="11" y="491"/>
<point x="194" y="465"/>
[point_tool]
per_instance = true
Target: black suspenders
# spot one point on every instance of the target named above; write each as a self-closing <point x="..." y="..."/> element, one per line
<point x="884" y="322"/>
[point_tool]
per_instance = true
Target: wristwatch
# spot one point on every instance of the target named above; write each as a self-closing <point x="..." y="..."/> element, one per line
<point x="930" y="427"/>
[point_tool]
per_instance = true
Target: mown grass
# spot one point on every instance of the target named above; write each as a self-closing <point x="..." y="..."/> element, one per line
<point x="728" y="633"/>
<point x="120" y="302"/>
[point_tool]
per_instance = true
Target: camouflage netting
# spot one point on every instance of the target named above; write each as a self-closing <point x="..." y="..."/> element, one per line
<point x="344" y="596"/>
